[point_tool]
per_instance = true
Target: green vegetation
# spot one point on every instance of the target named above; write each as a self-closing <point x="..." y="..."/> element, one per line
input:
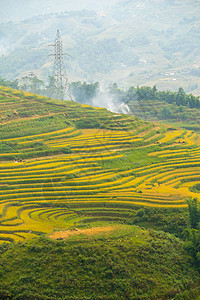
<point x="195" y="188"/>
<point x="194" y="213"/>
<point x="150" y="104"/>
<point x="179" y="98"/>
<point x="172" y="220"/>
<point x="145" y="102"/>
<point x="84" y="93"/>
<point x="192" y="234"/>
<point x="128" y="263"/>
<point x="110" y="188"/>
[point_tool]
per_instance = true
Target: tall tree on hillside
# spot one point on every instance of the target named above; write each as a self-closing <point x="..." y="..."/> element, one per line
<point x="13" y="84"/>
<point x="180" y="97"/>
<point x="84" y="92"/>
<point x="194" y="212"/>
<point x="32" y="84"/>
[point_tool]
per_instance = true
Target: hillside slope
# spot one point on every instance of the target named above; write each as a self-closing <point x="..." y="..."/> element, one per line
<point x="161" y="111"/>
<point x="74" y="182"/>
<point x="126" y="263"/>
<point x="64" y="164"/>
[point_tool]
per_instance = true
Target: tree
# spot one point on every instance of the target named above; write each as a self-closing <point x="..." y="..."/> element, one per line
<point x="192" y="101"/>
<point x="117" y="93"/>
<point x="131" y="94"/>
<point x="146" y="92"/>
<point x="180" y="97"/>
<point x="13" y="84"/>
<point x="166" y="113"/>
<point x="51" y="86"/>
<point x="32" y="84"/>
<point x="25" y="83"/>
<point x="84" y="92"/>
<point x="192" y="243"/>
<point x="37" y="85"/>
<point x="194" y="212"/>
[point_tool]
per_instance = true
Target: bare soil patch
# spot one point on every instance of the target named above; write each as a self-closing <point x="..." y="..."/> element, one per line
<point x="88" y="231"/>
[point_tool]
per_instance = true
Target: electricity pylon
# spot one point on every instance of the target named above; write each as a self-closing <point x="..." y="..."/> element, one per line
<point x="59" y="80"/>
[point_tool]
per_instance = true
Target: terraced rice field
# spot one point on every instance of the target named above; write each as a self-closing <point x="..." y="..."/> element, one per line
<point x="107" y="172"/>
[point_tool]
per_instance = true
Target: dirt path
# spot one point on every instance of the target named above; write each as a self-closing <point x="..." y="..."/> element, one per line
<point x="88" y="231"/>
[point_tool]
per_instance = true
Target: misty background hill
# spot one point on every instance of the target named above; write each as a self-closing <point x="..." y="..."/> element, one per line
<point x="23" y="9"/>
<point x="128" y="42"/>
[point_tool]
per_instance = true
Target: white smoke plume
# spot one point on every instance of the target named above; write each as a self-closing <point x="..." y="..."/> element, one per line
<point x="105" y="99"/>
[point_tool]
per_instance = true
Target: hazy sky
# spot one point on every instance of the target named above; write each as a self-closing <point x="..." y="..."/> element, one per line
<point x="15" y="10"/>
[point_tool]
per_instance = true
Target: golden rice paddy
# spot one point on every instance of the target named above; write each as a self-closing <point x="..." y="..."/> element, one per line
<point x="43" y="194"/>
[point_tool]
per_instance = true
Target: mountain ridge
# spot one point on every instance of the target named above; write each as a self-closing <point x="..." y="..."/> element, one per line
<point x="130" y="43"/>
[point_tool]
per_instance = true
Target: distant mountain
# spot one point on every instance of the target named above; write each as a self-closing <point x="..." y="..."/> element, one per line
<point x="133" y="43"/>
<point x="23" y="9"/>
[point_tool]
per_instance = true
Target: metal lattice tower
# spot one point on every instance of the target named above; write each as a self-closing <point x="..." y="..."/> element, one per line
<point x="60" y="87"/>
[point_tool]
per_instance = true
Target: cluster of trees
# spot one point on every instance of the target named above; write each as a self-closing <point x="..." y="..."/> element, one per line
<point x="85" y="92"/>
<point x="81" y="92"/>
<point x="192" y="244"/>
<point x="179" y="98"/>
<point x="26" y="83"/>
<point x="33" y="84"/>
<point x="148" y="93"/>
<point x="13" y="84"/>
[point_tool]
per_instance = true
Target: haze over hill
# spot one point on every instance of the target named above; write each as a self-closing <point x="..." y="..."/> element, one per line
<point x="15" y="10"/>
<point x="131" y="43"/>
